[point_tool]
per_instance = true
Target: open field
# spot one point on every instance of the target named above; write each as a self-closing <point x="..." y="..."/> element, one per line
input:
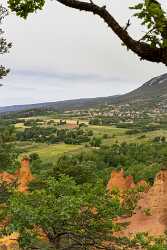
<point x="53" y="151"/>
<point x="51" y="117"/>
<point x="20" y="126"/>
<point x="45" y="121"/>
<point x="110" y="130"/>
<point x="48" y="152"/>
<point x="136" y="138"/>
<point x="118" y="135"/>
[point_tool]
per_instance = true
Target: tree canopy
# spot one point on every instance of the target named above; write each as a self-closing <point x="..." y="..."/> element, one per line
<point x="71" y="216"/>
<point x="151" y="47"/>
<point x="4" y="45"/>
<point x="8" y="152"/>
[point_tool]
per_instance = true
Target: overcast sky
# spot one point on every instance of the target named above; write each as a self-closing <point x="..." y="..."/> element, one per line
<point x="60" y="53"/>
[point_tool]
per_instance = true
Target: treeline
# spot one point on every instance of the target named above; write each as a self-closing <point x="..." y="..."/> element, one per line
<point x="101" y="120"/>
<point x="136" y="128"/>
<point x="8" y="152"/>
<point x="54" y="135"/>
<point x="142" y="161"/>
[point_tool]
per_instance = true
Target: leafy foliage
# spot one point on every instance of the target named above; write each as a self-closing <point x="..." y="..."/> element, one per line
<point x="154" y="18"/>
<point x="8" y="152"/>
<point x="96" y="141"/>
<point x="142" y="161"/>
<point x="4" y="45"/>
<point x="24" y="7"/>
<point x="82" y="171"/>
<point x="52" y="135"/>
<point x="65" y="212"/>
<point x="151" y="13"/>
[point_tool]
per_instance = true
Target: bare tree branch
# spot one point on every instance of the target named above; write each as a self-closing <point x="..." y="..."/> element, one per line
<point x="127" y="24"/>
<point x="143" y="50"/>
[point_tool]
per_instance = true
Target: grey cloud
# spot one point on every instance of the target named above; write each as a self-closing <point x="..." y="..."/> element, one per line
<point x="66" y="76"/>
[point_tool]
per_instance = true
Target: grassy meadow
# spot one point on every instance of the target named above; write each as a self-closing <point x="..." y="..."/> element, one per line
<point x="109" y="135"/>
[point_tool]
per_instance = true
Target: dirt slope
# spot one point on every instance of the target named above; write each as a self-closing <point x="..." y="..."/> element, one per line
<point x="120" y="181"/>
<point x="22" y="177"/>
<point x="150" y="214"/>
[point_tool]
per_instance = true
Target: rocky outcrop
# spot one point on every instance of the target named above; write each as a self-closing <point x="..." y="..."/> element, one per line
<point x="8" y="178"/>
<point x="119" y="181"/>
<point x="10" y="242"/>
<point x="22" y="177"/>
<point x="150" y="214"/>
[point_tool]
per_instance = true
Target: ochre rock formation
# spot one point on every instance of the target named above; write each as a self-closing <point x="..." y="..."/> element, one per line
<point x="119" y="181"/>
<point x="8" y="178"/>
<point x="122" y="182"/>
<point x="24" y="176"/>
<point x="10" y="242"/>
<point x="150" y="214"/>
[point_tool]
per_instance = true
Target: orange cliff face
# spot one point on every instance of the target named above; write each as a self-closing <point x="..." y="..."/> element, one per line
<point x="8" y="178"/>
<point x="22" y="177"/>
<point x="10" y="242"/>
<point x="120" y="181"/>
<point x="150" y="214"/>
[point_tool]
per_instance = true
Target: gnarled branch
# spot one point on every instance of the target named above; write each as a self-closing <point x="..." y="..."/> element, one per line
<point x="143" y="50"/>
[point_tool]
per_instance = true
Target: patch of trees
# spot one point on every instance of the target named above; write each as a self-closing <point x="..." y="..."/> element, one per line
<point x="36" y="134"/>
<point x="135" y="128"/>
<point x="71" y="204"/>
<point x="54" y="135"/>
<point x="8" y="152"/>
<point x="32" y="122"/>
<point x="7" y="122"/>
<point x="96" y="141"/>
<point x="77" y="136"/>
<point x="142" y="161"/>
<point x="159" y="139"/>
<point x="95" y="121"/>
<point x="121" y="122"/>
<point x="4" y="45"/>
<point x="101" y="121"/>
<point x="68" y="199"/>
<point x="71" y="215"/>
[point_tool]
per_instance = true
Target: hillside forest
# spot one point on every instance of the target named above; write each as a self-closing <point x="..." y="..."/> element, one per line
<point x="68" y="204"/>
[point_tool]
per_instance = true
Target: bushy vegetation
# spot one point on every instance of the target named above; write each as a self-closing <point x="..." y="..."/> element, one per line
<point x="52" y="135"/>
<point x="68" y="199"/>
<point x="70" y="202"/>
<point x="142" y="161"/>
<point x="8" y="152"/>
<point x="70" y="215"/>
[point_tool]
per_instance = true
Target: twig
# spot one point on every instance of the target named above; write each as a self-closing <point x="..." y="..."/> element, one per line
<point x="127" y="25"/>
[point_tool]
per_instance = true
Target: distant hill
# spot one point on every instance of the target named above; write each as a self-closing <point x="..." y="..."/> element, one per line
<point x="60" y="105"/>
<point x="153" y="92"/>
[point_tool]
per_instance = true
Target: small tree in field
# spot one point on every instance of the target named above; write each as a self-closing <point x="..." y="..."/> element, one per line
<point x="96" y="141"/>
